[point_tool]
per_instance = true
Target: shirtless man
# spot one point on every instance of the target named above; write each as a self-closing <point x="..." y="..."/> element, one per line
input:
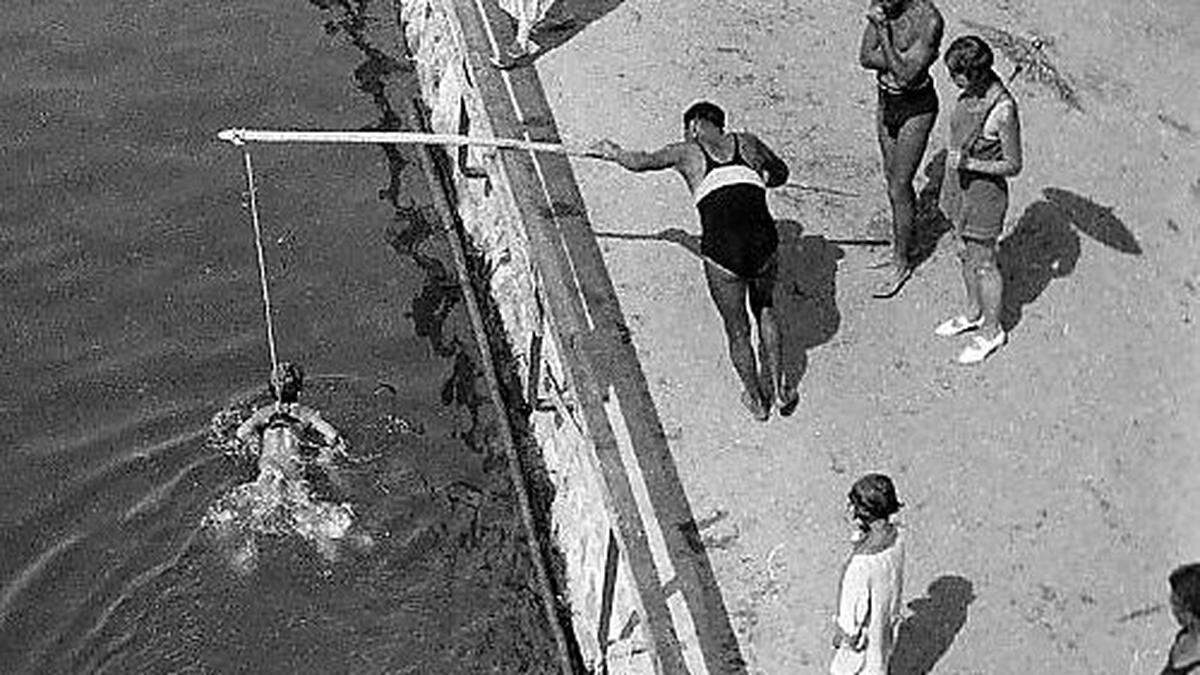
<point x="900" y="43"/>
<point x="727" y="174"/>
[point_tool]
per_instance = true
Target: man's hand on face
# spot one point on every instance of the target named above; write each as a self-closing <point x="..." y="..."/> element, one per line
<point x="877" y="15"/>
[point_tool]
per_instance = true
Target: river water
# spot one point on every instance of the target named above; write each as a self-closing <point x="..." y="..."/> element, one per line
<point x="132" y="315"/>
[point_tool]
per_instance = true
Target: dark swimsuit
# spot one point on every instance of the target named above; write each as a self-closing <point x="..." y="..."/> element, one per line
<point x="738" y="232"/>
<point x="897" y="106"/>
<point x="1189" y="669"/>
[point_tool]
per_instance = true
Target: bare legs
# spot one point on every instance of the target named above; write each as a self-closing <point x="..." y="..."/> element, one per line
<point x="730" y="293"/>
<point x="984" y="285"/>
<point x="902" y="156"/>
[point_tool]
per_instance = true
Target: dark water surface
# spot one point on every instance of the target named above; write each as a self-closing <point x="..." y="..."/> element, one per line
<point x="131" y="315"/>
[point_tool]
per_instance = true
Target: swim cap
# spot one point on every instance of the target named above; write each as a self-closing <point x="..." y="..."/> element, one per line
<point x="287" y="381"/>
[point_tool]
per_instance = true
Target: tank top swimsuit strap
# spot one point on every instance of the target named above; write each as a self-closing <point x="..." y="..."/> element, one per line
<point x="711" y="163"/>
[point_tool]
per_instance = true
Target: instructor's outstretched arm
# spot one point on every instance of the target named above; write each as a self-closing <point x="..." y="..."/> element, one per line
<point x="667" y="157"/>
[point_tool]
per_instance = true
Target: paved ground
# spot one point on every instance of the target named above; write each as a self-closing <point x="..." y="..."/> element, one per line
<point x="1048" y="491"/>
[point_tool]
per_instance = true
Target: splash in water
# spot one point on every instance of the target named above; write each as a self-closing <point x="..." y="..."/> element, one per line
<point x="281" y="501"/>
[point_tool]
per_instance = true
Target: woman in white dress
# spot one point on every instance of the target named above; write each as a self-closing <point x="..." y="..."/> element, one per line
<point x="869" y="599"/>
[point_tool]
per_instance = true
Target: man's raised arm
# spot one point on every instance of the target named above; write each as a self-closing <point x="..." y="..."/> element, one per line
<point x="913" y="63"/>
<point x="870" y="51"/>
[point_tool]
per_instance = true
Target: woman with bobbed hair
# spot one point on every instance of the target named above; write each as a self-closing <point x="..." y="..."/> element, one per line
<point x="1184" y="657"/>
<point x="869" y="600"/>
<point x="984" y="151"/>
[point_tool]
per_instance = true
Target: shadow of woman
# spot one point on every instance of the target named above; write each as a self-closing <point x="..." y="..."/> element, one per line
<point x="805" y="295"/>
<point x="936" y="619"/>
<point x="1042" y="247"/>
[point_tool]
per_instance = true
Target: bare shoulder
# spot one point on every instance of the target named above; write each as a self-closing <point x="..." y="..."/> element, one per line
<point x="754" y="144"/>
<point x="306" y="413"/>
<point x="931" y="18"/>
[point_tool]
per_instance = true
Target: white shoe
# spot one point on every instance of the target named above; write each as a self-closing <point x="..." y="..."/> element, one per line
<point x="957" y="326"/>
<point x="980" y="348"/>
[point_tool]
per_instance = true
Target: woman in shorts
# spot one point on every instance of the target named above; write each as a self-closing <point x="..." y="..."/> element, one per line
<point x="984" y="151"/>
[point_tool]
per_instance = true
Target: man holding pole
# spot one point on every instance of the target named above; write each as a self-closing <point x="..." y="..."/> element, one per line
<point x="727" y="174"/>
<point x="900" y="43"/>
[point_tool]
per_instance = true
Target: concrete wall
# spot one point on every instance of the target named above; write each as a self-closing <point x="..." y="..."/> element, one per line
<point x="640" y="591"/>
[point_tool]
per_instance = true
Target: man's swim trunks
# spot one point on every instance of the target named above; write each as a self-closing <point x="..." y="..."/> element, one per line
<point x="737" y="230"/>
<point x="897" y="106"/>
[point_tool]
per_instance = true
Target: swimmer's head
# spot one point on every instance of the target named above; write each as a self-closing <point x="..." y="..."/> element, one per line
<point x="286" y="382"/>
<point x="969" y="59"/>
<point x="702" y="113"/>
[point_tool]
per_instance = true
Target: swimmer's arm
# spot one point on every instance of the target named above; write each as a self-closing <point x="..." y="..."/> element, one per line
<point x="911" y="65"/>
<point x="775" y="170"/>
<point x="667" y="157"/>
<point x="313" y="419"/>
<point x="870" y="51"/>
<point x="1010" y="145"/>
<point x="249" y="430"/>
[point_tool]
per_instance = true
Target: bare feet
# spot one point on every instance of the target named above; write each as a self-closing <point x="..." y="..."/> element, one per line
<point x="789" y="399"/>
<point x="515" y="55"/>
<point x="894" y="282"/>
<point x="756" y="405"/>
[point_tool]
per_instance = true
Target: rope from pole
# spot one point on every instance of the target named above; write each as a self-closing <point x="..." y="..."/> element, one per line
<point x="262" y="260"/>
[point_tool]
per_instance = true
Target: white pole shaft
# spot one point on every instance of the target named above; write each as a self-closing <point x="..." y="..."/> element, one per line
<point x="239" y="136"/>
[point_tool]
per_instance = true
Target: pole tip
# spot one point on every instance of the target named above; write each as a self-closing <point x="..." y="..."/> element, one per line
<point x="231" y="135"/>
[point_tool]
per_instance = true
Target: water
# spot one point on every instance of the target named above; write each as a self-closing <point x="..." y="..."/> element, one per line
<point x="131" y="315"/>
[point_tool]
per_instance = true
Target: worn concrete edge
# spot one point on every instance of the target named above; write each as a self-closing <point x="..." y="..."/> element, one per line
<point x="505" y="435"/>
<point x="604" y="363"/>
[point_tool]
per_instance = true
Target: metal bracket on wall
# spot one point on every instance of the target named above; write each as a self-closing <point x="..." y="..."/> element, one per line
<point x="464" y="128"/>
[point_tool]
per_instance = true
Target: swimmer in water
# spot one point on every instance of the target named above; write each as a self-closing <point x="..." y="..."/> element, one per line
<point x="280" y="500"/>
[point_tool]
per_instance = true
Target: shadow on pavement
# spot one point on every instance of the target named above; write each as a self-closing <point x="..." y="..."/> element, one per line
<point x="931" y="221"/>
<point x="805" y="295"/>
<point x="936" y="619"/>
<point x="1094" y="220"/>
<point x="1042" y="247"/>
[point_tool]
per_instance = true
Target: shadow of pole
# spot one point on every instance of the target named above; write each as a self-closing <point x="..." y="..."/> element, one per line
<point x="936" y="620"/>
<point x="805" y="290"/>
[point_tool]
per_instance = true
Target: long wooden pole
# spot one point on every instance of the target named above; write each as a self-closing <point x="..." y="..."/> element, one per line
<point x="240" y="136"/>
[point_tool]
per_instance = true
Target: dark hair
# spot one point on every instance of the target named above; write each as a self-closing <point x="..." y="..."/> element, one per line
<point x="286" y="382"/>
<point x="874" y="497"/>
<point x="970" y="55"/>
<point x="704" y="110"/>
<point x="1185" y="582"/>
